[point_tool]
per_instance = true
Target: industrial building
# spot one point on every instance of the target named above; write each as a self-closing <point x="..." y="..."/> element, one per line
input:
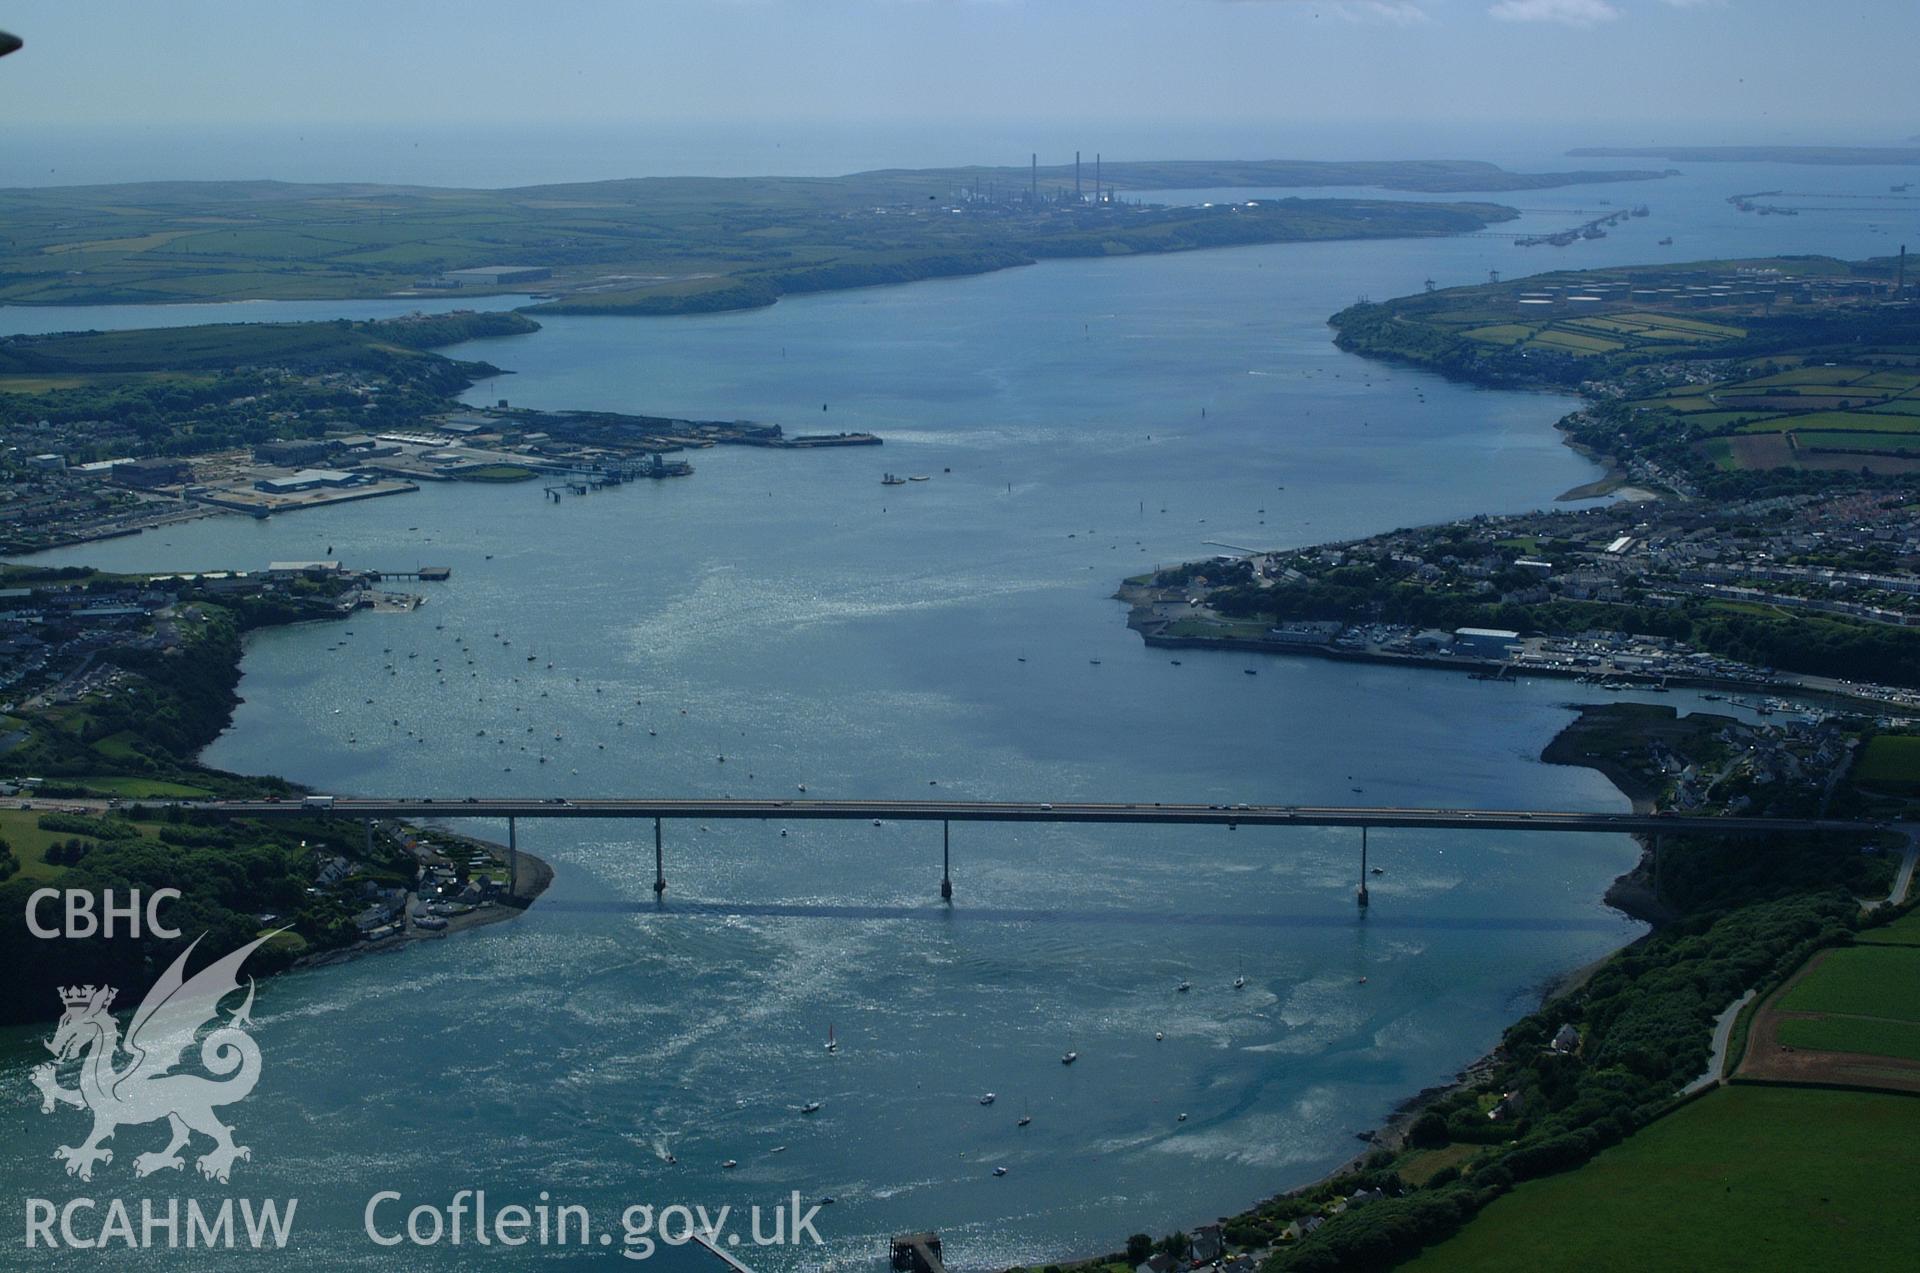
<point x="304" y="569"/>
<point x="292" y="454"/>
<point x="150" y="473"/>
<point x="306" y="480"/>
<point x="1485" y="643"/>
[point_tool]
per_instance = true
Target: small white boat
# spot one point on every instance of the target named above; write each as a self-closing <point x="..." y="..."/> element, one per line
<point x="730" y="1164"/>
<point x="811" y="1107"/>
<point x="1069" y="1058"/>
<point x="833" y="1044"/>
<point x="1184" y="986"/>
<point x="988" y="1099"/>
<point x="998" y="1171"/>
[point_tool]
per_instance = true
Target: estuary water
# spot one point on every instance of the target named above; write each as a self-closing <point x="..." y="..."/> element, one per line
<point x="1077" y="422"/>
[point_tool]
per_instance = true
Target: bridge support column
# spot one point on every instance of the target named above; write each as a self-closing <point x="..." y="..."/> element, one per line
<point x="1361" y="897"/>
<point x="659" y="863"/>
<point x="513" y="858"/>
<point x="946" y="862"/>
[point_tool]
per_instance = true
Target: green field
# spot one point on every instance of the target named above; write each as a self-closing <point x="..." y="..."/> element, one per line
<point x="141" y="788"/>
<point x="21" y="829"/>
<point x="1865" y="443"/>
<point x="1890" y="761"/>
<point x="1841" y="421"/>
<point x="1715" y="420"/>
<point x="1693" y="326"/>
<point x="1501" y="333"/>
<point x="1904" y="931"/>
<point x="1720" y="452"/>
<point x="1874" y="1036"/>
<point x="1826" y="376"/>
<point x="1688" y="404"/>
<point x="1575" y="342"/>
<point x="496" y="473"/>
<point x="1217" y="628"/>
<point x="1418" y="1168"/>
<point x="1864" y="981"/>
<point x="1744" y="1178"/>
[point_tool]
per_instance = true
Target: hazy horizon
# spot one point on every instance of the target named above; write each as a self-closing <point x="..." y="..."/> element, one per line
<point x="496" y="156"/>
<point x="703" y="87"/>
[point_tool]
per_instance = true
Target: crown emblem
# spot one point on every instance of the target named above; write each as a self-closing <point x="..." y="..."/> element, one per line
<point x="80" y="996"/>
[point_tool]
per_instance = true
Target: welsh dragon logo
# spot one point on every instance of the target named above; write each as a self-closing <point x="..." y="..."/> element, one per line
<point x="144" y="1089"/>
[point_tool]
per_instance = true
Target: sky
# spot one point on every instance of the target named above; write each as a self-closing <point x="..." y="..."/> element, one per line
<point x="1683" y="67"/>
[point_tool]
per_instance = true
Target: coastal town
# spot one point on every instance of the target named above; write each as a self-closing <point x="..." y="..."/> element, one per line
<point x="1578" y="589"/>
<point x="322" y="418"/>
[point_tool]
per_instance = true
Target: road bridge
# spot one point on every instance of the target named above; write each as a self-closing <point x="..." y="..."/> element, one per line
<point x="946" y="812"/>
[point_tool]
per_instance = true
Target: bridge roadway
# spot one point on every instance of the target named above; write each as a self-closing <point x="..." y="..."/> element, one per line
<point x="1148" y="814"/>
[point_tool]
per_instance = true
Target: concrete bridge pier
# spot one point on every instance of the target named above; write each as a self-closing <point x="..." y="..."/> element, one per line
<point x="946" y="862"/>
<point x="1361" y="897"/>
<point x="659" y="864"/>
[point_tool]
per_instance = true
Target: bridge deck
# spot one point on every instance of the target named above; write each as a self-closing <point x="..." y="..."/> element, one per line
<point x="1149" y="814"/>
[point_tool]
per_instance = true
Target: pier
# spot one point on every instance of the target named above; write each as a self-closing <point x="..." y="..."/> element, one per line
<point x="431" y="574"/>
<point x="917" y="1253"/>
<point x="582" y="481"/>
